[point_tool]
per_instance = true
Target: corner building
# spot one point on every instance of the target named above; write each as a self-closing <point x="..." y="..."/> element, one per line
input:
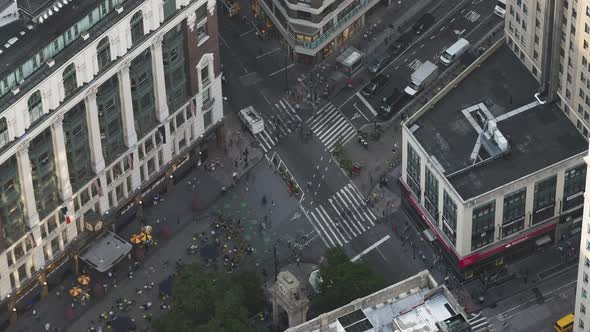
<point x="99" y="100"/>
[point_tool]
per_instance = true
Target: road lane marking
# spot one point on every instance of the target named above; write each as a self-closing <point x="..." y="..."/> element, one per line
<point x="480" y="23"/>
<point x="247" y="32"/>
<point x="453" y="20"/>
<point x="373" y="246"/>
<point x="267" y="53"/>
<point x="281" y="70"/>
<point x="359" y="111"/>
<point x="364" y="101"/>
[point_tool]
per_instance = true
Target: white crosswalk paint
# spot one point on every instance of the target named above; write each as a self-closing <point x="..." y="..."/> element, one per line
<point x="343" y="217"/>
<point x="281" y="122"/>
<point x="415" y="64"/>
<point x="479" y="323"/>
<point x="331" y="126"/>
<point x="472" y="16"/>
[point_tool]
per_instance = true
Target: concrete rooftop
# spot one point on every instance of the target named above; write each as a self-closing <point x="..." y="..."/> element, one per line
<point x="538" y="135"/>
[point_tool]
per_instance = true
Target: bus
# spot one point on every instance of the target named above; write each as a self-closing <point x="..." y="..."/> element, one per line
<point x="565" y="324"/>
<point x="252" y="120"/>
<point x="500" y="8"/>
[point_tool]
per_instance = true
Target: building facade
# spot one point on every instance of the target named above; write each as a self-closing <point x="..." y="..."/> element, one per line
<point x="96" y="101"/>
<point x="552" y="39"/>
<point x="314" y="29"/>
<point x="582" y="288"/>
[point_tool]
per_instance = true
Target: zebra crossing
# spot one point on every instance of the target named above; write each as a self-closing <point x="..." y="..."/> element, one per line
<point x="472" y="16"/>
<point x="344" y="217"/>
<point x="415" y="64"/>
<point x="330" y="126"/>
<point x="479" y="323"/>
<point x="280" y="124"/>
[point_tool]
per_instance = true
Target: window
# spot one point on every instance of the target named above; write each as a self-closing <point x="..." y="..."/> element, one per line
<point x="449" y="217"/>
<point x="69" y="80"/>
<point x="207" y="118"/>
<point x="584" y="294"/>
<point x="582" y="308"/>
<point x="581" y="323"/>
<point x="201" y="13"/>
<point x="136" y="27"/>
<point x="537" y="39"/>
<point x="169" y="8"/>
<point x="206" y="96"/>
<point x="585" y="278"/>
<point x="431" y="195"/>
<point x="35" y="106"/>
<point x="103" y="53"/>
<point x="3" y="132"/>
<point x="586" y="262"/>
<point x="585" y="44"/>
<point x="586" y="28"/>
<point x="525" y="9"/>
<point x="587" y="11"/>
<point x="205" y="79"/>
<point x="544" y="199"/>
<point x="573" y="190"/>
<point x="202" y="32"/>
<point x="482" y="229"/>
<point x="413" y="170"/>
<point x="513" y="218"/>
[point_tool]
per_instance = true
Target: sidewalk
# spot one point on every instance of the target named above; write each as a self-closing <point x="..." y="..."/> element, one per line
<point x="177" y="211"/>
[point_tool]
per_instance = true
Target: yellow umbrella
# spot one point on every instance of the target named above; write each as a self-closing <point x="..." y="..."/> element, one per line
<point x="145" y="237"/>
<point x="75" y="291"/>
<point x="135" y="239"/>
<point x="84" y="280"/>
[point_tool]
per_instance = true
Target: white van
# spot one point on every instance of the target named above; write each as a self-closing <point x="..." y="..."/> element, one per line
<point x="455" y="51"/>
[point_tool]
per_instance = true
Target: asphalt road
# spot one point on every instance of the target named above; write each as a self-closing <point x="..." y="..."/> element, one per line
<point x="302" y="141"/>
<point x="515" y="312"/>
<point x="471" y="22"/>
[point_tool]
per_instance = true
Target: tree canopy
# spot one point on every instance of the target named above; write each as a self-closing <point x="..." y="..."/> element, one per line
<point x="343" y="281"/>
<point x="213" y="301"/>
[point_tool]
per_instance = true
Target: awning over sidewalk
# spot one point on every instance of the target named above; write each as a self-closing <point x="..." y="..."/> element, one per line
<point x="106" y="251"/>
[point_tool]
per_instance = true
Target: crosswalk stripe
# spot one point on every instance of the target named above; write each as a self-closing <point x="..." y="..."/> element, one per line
<point x="346" y="201"/>
<point x="293" y="112"/>
<point x="323" y="229"/>
<point x="341" y="215"/>
<point x="322" y="113"/>
<point x="332" y="129"/>
<point x="336" y="224"/>
<point x="351" y="216"/>
<point x="323" y="119"/>
<point x="360" y="203"/>
<point x="357" y="209"/>
<point x="329" y="226"/>
<point x="342" y="137"/>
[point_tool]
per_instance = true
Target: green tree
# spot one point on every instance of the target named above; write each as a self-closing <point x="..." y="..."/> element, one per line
<point x="212" y="301"/>
<point x="343" y="281"/>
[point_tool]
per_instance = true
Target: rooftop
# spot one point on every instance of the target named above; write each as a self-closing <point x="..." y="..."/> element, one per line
<point x="412" y="305"/>
<point x="501" y="90"/>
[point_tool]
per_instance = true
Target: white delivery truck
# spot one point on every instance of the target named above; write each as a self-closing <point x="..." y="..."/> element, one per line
<point x="421" y="77"/>
<point x="252" y="120"/>
<point x="500" y="8"/>
<point x="454" y="51"/>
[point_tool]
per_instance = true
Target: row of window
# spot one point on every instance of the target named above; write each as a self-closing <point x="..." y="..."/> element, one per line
<point x="483" y="217"/>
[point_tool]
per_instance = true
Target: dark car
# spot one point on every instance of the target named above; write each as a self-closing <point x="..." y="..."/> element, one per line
<point x="374" y="85"/>
<point x="423" y="23"/>
<point x="400" y="44"/>
<point x="376" y="65"/>
<point x="391" y="104"/>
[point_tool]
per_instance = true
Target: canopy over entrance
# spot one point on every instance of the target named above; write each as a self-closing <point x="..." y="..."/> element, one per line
<point x="106" y="251"/>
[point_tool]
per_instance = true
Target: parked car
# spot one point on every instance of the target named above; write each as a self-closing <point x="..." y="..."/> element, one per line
<point x="391" y="105"/>
<point x="374" y="85"/>
<point x="423" y="23"/>
<point x="400" y="44"/>
<point x="379" y="63"/>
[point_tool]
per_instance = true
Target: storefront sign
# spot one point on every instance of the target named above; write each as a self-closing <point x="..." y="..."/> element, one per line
<point x="180" y="162"/>
<point x="477" y="256"/>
